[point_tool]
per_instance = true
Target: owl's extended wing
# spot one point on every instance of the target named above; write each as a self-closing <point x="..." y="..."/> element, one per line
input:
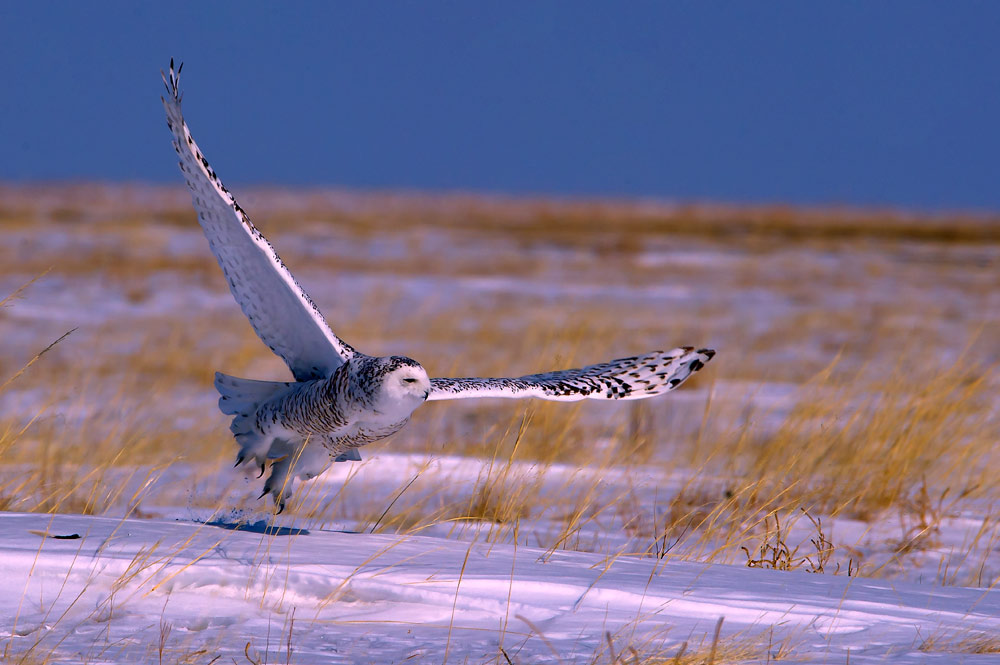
<point x="281" y="313"/>
<point x="637" y="377"/>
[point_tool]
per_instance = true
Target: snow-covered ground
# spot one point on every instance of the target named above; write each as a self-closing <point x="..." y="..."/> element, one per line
<point x="186" y="584"/>
<point x="100" y="589"/>
<point x="403" y="557"/>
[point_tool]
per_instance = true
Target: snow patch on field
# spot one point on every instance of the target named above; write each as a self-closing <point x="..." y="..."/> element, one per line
<point x="336" y="597"/>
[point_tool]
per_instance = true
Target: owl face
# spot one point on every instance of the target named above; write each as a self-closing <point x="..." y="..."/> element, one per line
<point x="404" y="385"/>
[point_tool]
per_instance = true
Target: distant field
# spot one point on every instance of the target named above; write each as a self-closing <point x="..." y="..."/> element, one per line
<point x="848" y="424"/>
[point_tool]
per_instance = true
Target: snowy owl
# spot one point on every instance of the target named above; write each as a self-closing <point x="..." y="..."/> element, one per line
<point x="342" y="399"/>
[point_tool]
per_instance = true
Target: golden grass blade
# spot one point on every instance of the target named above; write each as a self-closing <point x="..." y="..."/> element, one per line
<point x="35" y="359"/>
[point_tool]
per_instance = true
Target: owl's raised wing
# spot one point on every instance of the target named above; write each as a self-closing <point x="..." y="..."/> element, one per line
<point x="280" y="311"/>
<point x="637" y="377"/>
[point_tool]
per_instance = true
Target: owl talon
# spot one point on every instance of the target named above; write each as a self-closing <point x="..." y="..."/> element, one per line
<point x="239" y="460"/>
<point x="261" y="474"/>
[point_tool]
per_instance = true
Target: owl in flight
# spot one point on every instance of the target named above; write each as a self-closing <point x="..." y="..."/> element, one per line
<point x="342" y="399"/>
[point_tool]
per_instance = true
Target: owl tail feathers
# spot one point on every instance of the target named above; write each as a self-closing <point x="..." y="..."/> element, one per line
<point x="240" y="398"/>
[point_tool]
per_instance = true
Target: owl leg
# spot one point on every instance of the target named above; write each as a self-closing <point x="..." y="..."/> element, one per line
<point x="313" y="459"/>
<point x="253" y="446"/>
<point x="279" y="483"/>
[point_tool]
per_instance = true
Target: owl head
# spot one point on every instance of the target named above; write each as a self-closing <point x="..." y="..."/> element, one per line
<point x="403" y="386"/>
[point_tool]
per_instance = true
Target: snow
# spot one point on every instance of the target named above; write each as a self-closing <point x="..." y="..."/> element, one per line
<point x="340" y="597"/>
<point x="236" y="584"/>
<point x="301" y="589"/>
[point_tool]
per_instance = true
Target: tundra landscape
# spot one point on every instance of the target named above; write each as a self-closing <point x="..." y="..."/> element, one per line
<point x="825" y="490"/>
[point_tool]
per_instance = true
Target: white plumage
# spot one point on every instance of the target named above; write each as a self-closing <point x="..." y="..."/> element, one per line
<point x="342" y="399"/>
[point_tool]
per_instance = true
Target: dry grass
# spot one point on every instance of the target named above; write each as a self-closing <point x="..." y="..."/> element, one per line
<point x="878" y="327"/>
<point x="855" y="448"/>
<point x="707" y="649"/>
<point x="973" y="643"/>
<point x="75" y="204"/>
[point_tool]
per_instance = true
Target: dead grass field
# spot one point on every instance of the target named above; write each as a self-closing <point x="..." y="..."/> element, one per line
<point x="856" y="377"/>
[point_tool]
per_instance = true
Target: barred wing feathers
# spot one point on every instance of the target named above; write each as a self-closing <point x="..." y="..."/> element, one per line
<point x="637" y="377"/>
<point x="280" y="311"/>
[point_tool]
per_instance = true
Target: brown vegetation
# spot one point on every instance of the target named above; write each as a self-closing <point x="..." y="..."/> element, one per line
<point x="856" y="375"/>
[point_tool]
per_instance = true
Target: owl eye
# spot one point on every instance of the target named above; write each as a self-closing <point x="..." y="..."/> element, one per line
<point x="409" y="379"/>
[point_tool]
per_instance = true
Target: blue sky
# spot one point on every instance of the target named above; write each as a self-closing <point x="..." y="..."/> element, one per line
<point x="863" y="103"/>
